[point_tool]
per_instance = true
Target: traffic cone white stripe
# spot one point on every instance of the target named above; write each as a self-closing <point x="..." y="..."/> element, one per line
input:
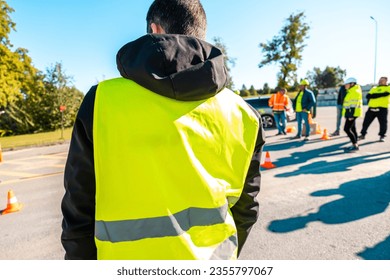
<point x="12" y="200"/>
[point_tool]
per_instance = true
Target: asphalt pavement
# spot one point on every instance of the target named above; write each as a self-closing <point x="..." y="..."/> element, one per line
<point x="320" y="203"/>
<point x="35" y="175"/>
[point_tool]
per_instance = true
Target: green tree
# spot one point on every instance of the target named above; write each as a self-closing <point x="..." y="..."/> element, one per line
<point x="17" y="78"/>
<point x="329" y="77"/>
<point x="244" y="92"/>
<point x="286" y="49"/>
<point x="6" y="24"/>
<point x="266" y="89"/>
<point x="59" y="92"/>
<point x="19" y="117"/>
<point x="39" y="109"/>
<point x="29" y="99"/>
<point x="253" y="91"/>
<point x="229" y="61"/>
<point x="15" y="66"/>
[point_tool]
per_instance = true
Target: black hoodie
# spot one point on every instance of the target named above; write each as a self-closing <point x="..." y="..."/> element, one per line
<point x="175" y="66"/>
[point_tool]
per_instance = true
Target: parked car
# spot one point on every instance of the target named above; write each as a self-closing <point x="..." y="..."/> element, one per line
<point x="267" y="116"/>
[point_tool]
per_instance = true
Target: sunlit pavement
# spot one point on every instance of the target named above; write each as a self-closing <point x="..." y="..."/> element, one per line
<point x="322" y="203"/>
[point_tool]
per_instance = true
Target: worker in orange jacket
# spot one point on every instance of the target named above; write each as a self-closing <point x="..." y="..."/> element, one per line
<point x="279" y="102"/>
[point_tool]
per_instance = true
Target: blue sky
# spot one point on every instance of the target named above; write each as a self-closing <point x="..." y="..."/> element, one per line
<point x="85" y="35"/>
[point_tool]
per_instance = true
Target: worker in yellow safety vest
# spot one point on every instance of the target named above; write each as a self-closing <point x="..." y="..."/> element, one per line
<point x="378" y="103"/>
<point x="279" y="102"/>
<point x="352" y="109"/>
<point x="164" y="161"/>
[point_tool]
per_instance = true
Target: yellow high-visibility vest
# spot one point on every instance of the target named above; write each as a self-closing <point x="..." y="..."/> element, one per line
<point x="382" y="102"/>
<point x="168" y="172"/>
<point x="299" y="102"/>
<point x="353" y="99"/>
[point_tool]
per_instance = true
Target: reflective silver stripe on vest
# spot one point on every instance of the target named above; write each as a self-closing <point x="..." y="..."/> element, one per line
<point x="226" y="249"/>
<point x="172" y="225"/>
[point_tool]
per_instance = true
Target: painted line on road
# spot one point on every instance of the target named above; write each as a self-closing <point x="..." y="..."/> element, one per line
<point x="30" y="178"/>
<point x="53" y="157"/>
<point x="16" y="173"/>
<point x="57" y="156"/>
<point x="57" y="165"/>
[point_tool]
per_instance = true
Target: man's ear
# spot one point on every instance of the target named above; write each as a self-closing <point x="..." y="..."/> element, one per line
<point x="156" y="28"/>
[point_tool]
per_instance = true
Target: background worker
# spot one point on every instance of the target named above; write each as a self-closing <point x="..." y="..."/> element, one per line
<point x="352" y="109"/>
<point x="302" y="105"/>
<point x="339" y="107"/>
<point x="279" y="103"/>
<point x="164" y="161"/>
<point x="378" y="103"/>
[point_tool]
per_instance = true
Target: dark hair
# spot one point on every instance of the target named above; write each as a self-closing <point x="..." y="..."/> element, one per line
<point x="185" y="17"/>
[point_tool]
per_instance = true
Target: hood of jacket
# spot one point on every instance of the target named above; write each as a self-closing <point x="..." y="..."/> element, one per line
<point x="175" y="66"/>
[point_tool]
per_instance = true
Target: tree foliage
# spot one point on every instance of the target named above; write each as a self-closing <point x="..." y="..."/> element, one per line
<point x="58" y="87"/>
<point x="6" y="24"/>
<point x="244" y="92"/>
<point x="327" y="78"/>
<point x="286" y="49"/>
<point x="229" y="61"/>
<point x="30" y="99"/>
<point x="266" y="89"/>
<point x="253" y="91"/>
<point x="39" y="108"/>
<point x="15" y="66"/>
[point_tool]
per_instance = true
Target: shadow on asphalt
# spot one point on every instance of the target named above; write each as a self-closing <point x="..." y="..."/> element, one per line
<point x="289" y="143"/>
<point x="325" y="167"/>
<point x="325" y="151"/>
<point x="380" y="251"/>
<point x="360" y="199"/>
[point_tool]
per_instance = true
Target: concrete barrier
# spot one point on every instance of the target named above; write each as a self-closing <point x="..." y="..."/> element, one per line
<point x="328" y="96"/>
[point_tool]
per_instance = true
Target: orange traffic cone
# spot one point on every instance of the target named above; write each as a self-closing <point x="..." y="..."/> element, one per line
<point x="325" y="136"/>
<point x="318" y="131"/>
<point x="310" y="118"/>
<point x="12" y="204"/>
<point x="290" y="129"/>
<point x="267" y="163"/>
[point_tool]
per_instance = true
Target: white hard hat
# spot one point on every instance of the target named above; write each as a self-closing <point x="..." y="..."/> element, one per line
<point x="350" y="80"/>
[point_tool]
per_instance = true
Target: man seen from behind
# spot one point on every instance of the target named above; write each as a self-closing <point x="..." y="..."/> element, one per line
<point x="163" y="161"/>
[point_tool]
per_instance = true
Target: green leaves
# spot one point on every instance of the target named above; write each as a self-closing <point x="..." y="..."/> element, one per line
<point x="29" y="98"/>
<point x="285" y="49"/>
<point x="327" y="78"/>
<point x="6" y="24"/>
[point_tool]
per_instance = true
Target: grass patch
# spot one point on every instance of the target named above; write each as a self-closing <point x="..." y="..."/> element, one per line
<point x="33" y="140"/>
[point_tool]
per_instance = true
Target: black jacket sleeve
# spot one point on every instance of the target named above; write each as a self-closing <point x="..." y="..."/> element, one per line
<point x="246" y="210"/>
<point x="341" y="95"/>
<point x="377" y="95"/>
<point x="78" y="203"/>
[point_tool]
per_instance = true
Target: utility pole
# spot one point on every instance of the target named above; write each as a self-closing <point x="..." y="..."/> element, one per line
<point x="376" y="45"/>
